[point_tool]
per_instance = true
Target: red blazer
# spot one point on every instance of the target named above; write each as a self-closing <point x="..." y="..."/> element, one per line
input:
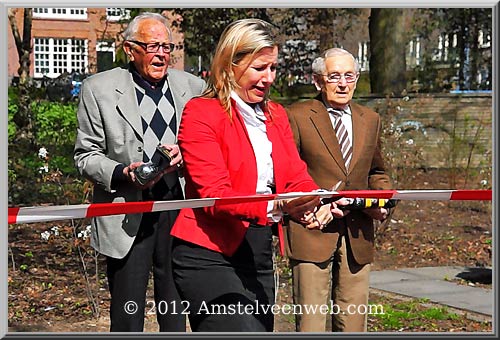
<point x="219" y="161"/>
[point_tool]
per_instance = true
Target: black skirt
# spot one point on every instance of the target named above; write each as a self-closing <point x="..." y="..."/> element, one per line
<point x="227" y="294"/>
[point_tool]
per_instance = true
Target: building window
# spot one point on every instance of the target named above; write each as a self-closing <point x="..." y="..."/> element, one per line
<point x="105" y="55"/>
<point x="363" y="56"/>
<point x="447" y="44"/>
<point x="60" y="13"/>
<point x="56" y="56"/>
<point x="484" y="40"/>
<point x="117" y="14"/>
<point x="413" y="53"/>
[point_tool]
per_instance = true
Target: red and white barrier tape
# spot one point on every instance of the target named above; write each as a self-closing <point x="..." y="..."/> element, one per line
<point x="64" y="212"/>
<point x="422" y="195"/>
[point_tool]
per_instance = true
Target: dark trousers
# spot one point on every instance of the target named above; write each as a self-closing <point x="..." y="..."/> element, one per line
<point x="128" y="279"/>
<point x="217" y="289"/>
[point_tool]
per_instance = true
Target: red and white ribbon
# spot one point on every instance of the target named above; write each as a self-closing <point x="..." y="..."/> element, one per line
<point x="64" y="212"/>
<point x="422" y="195"/>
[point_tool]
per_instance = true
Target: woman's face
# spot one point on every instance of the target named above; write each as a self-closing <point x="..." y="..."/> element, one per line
<point x="255" y="75"/>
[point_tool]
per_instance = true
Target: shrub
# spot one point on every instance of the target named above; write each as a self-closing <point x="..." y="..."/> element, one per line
<point x="34" y="178"/>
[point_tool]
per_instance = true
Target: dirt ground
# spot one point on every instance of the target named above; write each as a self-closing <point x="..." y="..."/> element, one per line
<point x="54" y="288"/>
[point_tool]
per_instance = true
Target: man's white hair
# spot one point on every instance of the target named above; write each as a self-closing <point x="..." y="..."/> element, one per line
<point x="319" y="66"/>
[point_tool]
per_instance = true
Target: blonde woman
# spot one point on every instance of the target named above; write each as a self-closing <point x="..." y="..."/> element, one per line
<point x="235" y="141"/>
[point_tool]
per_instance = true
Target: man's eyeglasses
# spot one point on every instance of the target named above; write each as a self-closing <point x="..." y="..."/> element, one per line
<point x="154" y="47"/>
<point x="336" y="77"/>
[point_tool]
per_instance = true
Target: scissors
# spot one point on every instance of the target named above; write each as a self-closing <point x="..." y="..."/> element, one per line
<point x="328" y="200"/>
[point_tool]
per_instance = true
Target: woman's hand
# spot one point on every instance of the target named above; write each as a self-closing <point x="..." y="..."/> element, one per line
<point x="175" y="153"/>
<point x="319" y="218"/>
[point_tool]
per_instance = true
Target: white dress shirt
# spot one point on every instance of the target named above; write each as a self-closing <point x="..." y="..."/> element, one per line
<point x="254" y="120"/>
<point x="346" y="120"/>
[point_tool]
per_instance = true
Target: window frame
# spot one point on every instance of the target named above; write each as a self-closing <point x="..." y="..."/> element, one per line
<point x="125" y="14"/>
<point x="52" y="13"/>
<point x="51" y="65"/>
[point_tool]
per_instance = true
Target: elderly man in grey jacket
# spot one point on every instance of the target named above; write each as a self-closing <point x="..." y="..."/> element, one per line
<point x="123" y="115"/>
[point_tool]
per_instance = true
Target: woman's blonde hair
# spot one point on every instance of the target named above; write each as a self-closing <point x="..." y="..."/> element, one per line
<point x="239" y="39"/>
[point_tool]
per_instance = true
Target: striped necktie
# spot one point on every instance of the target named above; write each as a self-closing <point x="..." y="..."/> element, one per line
<point x="342" y="136"/>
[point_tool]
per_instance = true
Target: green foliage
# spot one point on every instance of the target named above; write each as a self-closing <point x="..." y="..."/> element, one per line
<point x="438" y="313"/>
<point x="63" y="163"/>
<point x="55" y="123"/>
<point x="35" y="179"/>
<point x="11" y="128"/>
<point x="12" y="109"/>
<point x="412" y="313"/>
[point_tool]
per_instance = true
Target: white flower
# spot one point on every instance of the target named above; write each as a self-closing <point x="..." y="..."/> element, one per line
<point x="42" y="153"/>
<point x="55" y="230"/>
<point x="409" y="141"/>
<point x="44" y="168"/>
<point x="45" y="235"/>
<point x="84" y="234"/>
<point x="484" y="182"/>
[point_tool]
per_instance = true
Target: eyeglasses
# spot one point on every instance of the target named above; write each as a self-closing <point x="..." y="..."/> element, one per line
<point x="154" y="47"/>
<point x="336" y="77"/>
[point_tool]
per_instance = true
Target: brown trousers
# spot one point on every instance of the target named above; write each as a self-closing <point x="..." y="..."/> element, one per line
<point x="339" y="283"/>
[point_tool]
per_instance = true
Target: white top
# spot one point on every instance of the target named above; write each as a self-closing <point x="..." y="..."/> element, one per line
<point x="254" y="120"/>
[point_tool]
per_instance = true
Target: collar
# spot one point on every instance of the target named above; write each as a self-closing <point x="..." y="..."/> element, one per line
<point x="251" y="113"/>
<point x="344" y="110"/>
<point x="145" y="84"/>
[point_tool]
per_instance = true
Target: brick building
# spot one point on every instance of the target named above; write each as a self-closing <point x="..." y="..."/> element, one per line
<point x="84" y="40"/>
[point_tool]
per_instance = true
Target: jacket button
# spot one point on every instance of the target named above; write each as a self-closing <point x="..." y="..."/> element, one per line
<point x="139" y="149"/>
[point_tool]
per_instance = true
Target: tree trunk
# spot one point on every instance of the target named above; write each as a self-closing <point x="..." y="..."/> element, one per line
<point x="387" y="51"/>
<point x="22" y="118"/>
<point x="474" y="51"/>
<point x="23" y="45"/>
<point x="462" y="56"/>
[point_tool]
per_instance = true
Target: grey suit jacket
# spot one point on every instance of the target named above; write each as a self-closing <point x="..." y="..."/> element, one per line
<point x="110" y="133"/>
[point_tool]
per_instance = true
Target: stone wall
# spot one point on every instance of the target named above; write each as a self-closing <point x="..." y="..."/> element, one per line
<point x="447" y="130"/>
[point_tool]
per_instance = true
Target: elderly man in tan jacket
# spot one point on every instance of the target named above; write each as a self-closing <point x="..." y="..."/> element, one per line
<point x="340" y="141"/>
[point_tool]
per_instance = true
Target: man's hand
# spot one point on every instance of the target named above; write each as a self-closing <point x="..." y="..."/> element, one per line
<point x="128" y="172"/>
<point x="175" y="163"/>
<point x="379" y="214"/>
<point x="335" y="207"/>
<point x="299" y="208"/>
